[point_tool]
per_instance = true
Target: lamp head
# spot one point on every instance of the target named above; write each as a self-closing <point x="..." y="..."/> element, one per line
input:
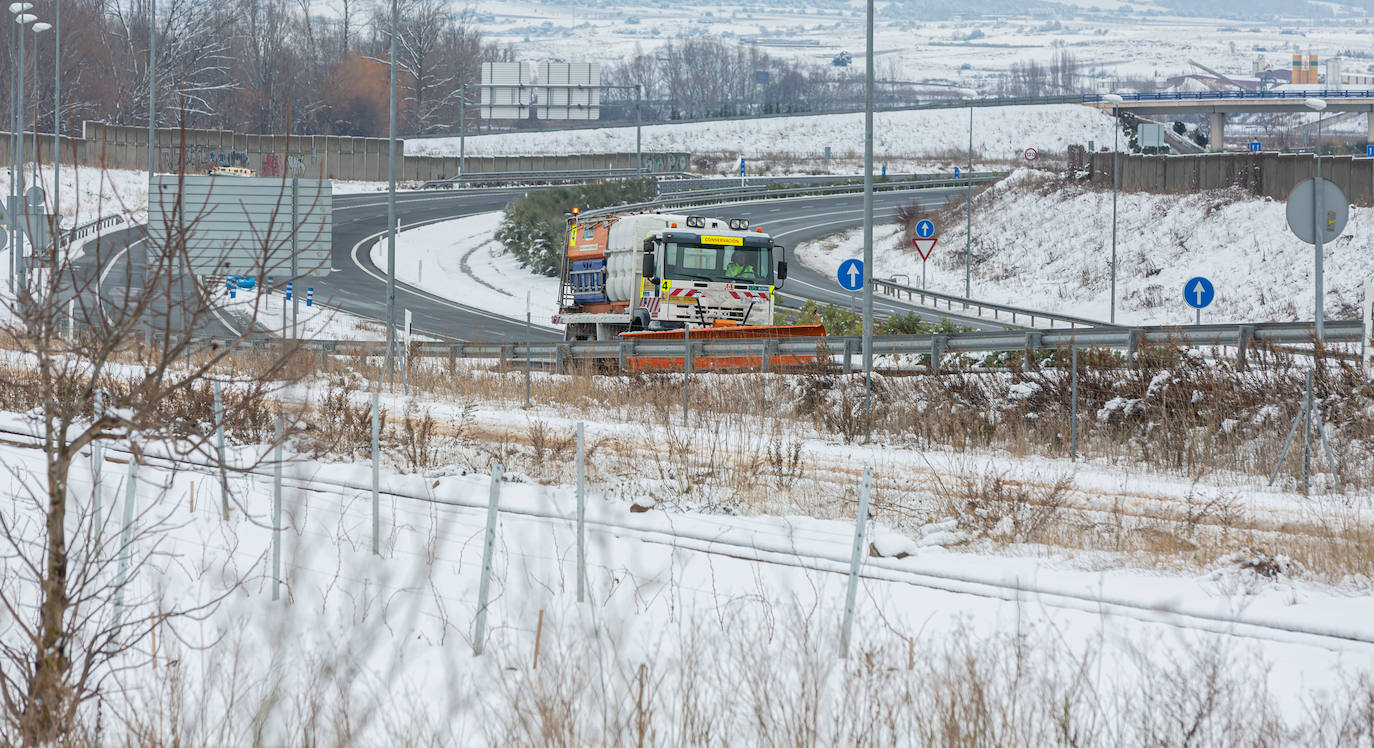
<point x="41" y="26"/>
<point x="24" y="19"/>
<point x="17" y="8"/>
<point x="1316" y="105"/>
<point x="1112" y="98"/>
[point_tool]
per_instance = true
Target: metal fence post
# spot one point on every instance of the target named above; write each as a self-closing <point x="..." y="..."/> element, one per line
<point x="686" y="368"/>
<point x="276" y="513"/>
<point x="97" y="463"/>
<point x="1073" y="428"/>
<point x="855" y="560"/>
<point x="528" y="337"/>
<point x="219" y="450"/>
<point x="480" y="629"/>
<point x="376" y="476"/>
<point x="581" y="514"/>
<point x="127" y="531"/>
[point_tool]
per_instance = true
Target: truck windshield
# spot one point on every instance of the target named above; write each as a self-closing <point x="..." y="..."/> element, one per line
<point x="723" y="264"/>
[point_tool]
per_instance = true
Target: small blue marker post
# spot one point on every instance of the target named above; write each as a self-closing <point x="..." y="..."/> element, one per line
<point x="269" y="285"/>
<point x="288" y="290"/>
<point x="309" y="295"/>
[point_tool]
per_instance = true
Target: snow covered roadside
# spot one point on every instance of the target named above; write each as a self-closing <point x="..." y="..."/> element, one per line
<point x="1043" y="244"/>
<point x="273" y="312"/>
<point x="998" y="134"/>
<point x="461" y="260"/>
<point x="744" y="598"/>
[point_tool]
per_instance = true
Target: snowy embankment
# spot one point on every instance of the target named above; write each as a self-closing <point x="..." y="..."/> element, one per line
<point x="999" y="134"/>
<point x="1042" y="242"/>
<point x="709" y="606"/>
<point x="461" y="260"/>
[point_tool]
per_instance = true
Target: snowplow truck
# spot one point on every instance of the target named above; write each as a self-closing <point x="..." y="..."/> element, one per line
<point x="660" y="276"/>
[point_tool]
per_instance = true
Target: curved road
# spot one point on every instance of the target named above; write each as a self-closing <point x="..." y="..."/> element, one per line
<point x="357" y="286"/>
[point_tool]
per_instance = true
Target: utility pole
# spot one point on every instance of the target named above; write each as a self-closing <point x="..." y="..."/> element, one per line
<point x="391" y="209"/>
<point x="868" y="229"/>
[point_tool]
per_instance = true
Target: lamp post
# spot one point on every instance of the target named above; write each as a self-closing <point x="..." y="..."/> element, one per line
<point x="868" y="227"/>
<point x="56" y="114"/>
<point x="1115" y="101"/>
<point x="968" y="233"/>
<point x="17" y="177"/>
<point x="16" y="174"/>
<point x="38" y="28"/>
<point x="391" y="207"/>
<point x="1318" y="106"/>
<point x="152" y="89"/>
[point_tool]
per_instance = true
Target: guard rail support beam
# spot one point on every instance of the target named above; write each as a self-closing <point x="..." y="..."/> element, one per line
<point x="848" y="356"/>
<point x="1243" y="338"/>
<point x="1034" y="342"/>
<point x="1132" y="346"/>
<point x="937" y="351"/>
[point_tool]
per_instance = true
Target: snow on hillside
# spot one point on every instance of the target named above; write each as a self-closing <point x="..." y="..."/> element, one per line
<point x="1043" y="243"/>
<point x="998" y="134"/>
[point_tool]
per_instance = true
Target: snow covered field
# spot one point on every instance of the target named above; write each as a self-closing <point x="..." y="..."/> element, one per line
<point x="742" y="612"/>
<point x="1040" y="244"/>
<point x="901" y="138"/>
<point x="461" y="260"/>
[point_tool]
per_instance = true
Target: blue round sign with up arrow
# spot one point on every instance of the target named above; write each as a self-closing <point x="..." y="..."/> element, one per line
<point x="925" y="228"/>
<point x="851" y="275"/>
<point x="1198" y="292"/>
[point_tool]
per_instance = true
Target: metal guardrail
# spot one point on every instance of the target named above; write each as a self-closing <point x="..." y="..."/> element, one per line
<point x="1326" y="93"/>
<point x="985" y="311"/>
<point x="86" y="229"/>
<point x="1131" y="340"/>
<point x="509" y="177"/>
<point x="697" y="198"/>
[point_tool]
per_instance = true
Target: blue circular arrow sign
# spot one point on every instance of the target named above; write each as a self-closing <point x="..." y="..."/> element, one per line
<point x="925" y="229"/>
<point x="1198" y="292"/>
<point x="851" y="275"/>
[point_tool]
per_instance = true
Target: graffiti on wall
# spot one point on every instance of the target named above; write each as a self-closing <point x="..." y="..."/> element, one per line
<point x="665" y="162"/>
<point x="198" y="158"/>
<point x="272" y="165"/>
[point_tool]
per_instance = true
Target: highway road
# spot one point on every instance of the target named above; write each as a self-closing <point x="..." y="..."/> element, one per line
<point x="356" y="285"/>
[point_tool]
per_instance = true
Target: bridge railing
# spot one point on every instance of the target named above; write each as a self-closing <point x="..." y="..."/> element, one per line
<point x="1329" y="93"/>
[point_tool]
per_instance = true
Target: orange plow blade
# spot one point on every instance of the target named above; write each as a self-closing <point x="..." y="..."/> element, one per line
<point x="760" y="333"/>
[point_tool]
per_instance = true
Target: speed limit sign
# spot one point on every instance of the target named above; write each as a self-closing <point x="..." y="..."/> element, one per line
<point x="1030" y="154"/>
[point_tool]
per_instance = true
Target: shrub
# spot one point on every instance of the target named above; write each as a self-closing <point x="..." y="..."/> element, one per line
<point x="533" y="227"/>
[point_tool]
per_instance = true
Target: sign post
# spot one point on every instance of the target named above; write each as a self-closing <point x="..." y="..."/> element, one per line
<point x="1198" y="293"/>
<point x="925" y="244"/>
<point x="1317" y="213"/>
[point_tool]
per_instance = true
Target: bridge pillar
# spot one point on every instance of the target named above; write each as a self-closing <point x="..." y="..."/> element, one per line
<point x="1370" y="118"/>
<point x="1216" y="136"/>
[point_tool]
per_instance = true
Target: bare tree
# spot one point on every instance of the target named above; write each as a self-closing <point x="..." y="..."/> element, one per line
<point x="65" y="634"/>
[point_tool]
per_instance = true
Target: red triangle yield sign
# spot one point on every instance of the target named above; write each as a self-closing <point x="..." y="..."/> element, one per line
<point x="924" y="246"/>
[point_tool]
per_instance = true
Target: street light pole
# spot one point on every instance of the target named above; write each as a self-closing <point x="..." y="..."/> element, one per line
<point x="639" y="152"/>
<point x="391" y="209"/>
<point x="56" y="113"/>
<point x="968" y="233"/>
<point x="38" y="28"/>
<point x="16" y="142"/>
<point x="16" y="248"/>
<point x="1115" y="101"/>
<point x="152" y="89"/>
<point x="462" y="130"/>
<point x="868" y="228"/>
<point x="1319" y="106"/>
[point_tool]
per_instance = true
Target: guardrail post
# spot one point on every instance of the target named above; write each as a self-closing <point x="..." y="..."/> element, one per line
<point x="483" y="590"/>
<point x="452" y="359"/>
<point x="848" y="356"/>
<point x="937" y="351"/>
<point x="1132" y="345"/>
<point x="1034" y="341"/>
<point x="1247" y="333"/>
<point x="620" y="354"/>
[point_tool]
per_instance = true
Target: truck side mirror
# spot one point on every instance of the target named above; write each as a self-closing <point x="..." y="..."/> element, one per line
<point x="782" y="263"/>
<point x="648" y="270"/>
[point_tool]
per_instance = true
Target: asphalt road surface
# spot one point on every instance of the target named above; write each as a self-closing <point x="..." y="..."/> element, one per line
<point x="354" y="284"/>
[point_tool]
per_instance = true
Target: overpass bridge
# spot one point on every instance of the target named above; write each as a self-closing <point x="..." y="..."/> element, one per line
<point x="1218" y="104"/>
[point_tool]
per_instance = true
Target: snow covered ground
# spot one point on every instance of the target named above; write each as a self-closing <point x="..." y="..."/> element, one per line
<point x="271" y="311"/>
<point x="1048" y="247"/>
<point x="743" y="612"/>
<point x="461" y="260"/>
<point x="900" y="138"/>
